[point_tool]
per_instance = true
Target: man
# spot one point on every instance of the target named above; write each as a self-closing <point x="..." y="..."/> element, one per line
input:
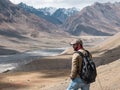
<point x="76" y="81"/>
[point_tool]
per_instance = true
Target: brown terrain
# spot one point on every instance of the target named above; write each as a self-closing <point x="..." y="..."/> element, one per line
<point x="21" y="31"/>
<point x="52" y="73"/>
<point x="97" y="19"/>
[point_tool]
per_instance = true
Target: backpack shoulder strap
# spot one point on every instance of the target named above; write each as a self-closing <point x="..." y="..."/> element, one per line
<point x="87" y="53"/>
<point x="80" y="53"/>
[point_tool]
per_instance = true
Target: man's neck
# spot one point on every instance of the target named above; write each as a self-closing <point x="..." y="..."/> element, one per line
<point x="79" y="48"/>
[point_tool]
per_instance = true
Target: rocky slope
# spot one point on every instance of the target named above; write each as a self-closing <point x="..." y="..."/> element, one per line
<point x="108" y="44"/>
<point x="21" y="30"/>
<point x="15" y="22"/>
<point x="97" y="19"/>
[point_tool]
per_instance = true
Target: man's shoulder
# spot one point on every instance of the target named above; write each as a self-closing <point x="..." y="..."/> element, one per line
<point x="83" y="52"/>
<point x="76" y="53"/>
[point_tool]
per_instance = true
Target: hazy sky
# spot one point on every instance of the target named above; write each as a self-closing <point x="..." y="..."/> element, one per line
<point x="61" y="3"/>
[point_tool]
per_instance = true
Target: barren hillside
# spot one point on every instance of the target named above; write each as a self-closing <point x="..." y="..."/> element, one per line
<point x="97" y="19"/>
<point x="110" y="43"/>
<point x="21" y="30"/>
<point x="53" y="72"/>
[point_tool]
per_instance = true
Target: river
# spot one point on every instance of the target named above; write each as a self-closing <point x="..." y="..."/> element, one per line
<point x="9" y="62"/>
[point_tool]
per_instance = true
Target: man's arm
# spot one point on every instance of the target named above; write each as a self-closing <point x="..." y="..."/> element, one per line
<point x="75" y="63"/>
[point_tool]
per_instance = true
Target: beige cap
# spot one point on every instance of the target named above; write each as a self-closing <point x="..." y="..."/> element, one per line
<point x="75" y="41"/>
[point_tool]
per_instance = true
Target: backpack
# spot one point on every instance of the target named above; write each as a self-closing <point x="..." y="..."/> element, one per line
<point x="88" y="71"/>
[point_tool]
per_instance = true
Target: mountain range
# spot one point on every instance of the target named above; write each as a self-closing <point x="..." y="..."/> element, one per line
<point x="16" y="22"/>
<point x="53" y="15"/>
<point x="97" y="19"/>
<point x="20" y="20"/>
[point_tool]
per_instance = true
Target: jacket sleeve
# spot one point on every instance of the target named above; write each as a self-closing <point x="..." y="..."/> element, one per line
<point x="76" y="61"/>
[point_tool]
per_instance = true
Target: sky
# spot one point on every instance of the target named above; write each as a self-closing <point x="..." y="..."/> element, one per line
<point x="61" y="3"/>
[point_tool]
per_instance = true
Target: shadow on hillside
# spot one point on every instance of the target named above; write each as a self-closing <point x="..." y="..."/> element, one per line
<point x="4" y="51"/>
<point x="108" y="57"/>
<point x="58" y="67"/>
<point x="89" y="30"/>
<point x="10" y="33"/>
<point x="9" y="85"/>
<point x="50" y="67"/>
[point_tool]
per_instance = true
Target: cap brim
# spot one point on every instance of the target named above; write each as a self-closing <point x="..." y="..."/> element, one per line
<point x="72" y="43"/>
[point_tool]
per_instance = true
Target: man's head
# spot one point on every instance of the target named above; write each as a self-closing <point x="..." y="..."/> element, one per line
<point x="77" y="44"/>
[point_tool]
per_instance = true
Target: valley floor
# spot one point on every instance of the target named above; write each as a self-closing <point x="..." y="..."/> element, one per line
<point x="52" y="73"/>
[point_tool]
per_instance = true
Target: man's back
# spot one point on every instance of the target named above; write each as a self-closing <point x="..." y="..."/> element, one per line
<point x="76" y="81"/>
<point x="87" y="72"/>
